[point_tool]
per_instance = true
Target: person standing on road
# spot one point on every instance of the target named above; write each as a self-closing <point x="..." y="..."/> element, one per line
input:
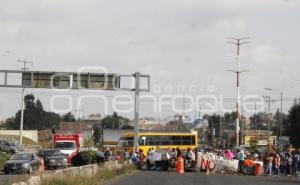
<point x="241" y="158"/>
<point x="289" y="161"/>
<point x="255" y="156"/>
<point x="178" y="152"/>
<point x="173" y="153"/>
<point x="295" y="161"/>
<point x="150" y="151"/>
<point x="277" y="163"/>
<point x="190" y="154"/>
<point x="270" y="159"/>
<point x="126" y="155"/>
<point x="107" y="154"/>
<point x="229" y="154"/>
<point x="282" y="167"/>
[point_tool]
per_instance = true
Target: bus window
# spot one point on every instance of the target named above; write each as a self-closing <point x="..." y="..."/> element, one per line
<point x="164" y="140"/>
<point x="186" y="140"/>
<point x="125" y="141"/>
<point x="153" y="140"/>
<point x="175" y="140"/>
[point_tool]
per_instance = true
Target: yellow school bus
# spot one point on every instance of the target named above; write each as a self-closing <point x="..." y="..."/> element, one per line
<point x="162" y="139"/>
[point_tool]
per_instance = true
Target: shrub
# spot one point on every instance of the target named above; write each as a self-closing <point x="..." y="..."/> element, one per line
<point x="84" y="158"/>
<point x="3" y="158"/>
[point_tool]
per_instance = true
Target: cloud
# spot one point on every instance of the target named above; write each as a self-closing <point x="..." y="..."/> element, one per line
<point x="175" y="41"/>
<point x="268" y="55"/>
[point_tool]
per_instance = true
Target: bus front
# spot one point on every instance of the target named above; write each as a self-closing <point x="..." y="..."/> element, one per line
<point x="125" y="142"/>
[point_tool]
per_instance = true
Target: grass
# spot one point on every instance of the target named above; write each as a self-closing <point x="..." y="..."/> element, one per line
<point x="101" y="176"/>
<point x="3" y="158"/>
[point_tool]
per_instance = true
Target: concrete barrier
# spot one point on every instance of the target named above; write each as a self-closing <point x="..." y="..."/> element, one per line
<point x="88" y="170"/>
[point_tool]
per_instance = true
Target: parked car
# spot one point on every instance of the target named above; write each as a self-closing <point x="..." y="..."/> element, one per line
<point x="100" y="158"/>
<point x="10" y="147"/>
<point x="22" y="163"/>
<point x="53" y="158"/>
<point x="88" y="157"/>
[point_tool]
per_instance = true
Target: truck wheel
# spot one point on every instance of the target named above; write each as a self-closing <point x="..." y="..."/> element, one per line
<point x="148" y="165"/>
<point x="6" y="172"/>
<point x="12" y="152"/>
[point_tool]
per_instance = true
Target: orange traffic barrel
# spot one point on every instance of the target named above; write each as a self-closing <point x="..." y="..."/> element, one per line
<point x="258" y="169"/>
<point x="180" y="165"/>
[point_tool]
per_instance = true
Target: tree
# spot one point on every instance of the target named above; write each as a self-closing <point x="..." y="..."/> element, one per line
<point x="229" y="120"/>
<point x="214" y="123"/>
<point x="97" y="128"/>
<point x="127" y="127"/>
<point x="276" y="123"/>
<point x="35" y="118"/>
<point x="68" y="117"/>
<point x="293" y="128"/>
<point x="260" y="121"/>
<point x="114" y="121"/>
<point x="9" y="124"/>
<point x="95" y="115"/>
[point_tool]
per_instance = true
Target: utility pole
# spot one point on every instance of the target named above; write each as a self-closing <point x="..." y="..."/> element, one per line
<point x="78" y="112"/>
<point x="269" y="114"/>
<point x="136" y="110"/>
<point x="255" y="123"/>
<point x="220" y="130"/>
<point x="280" y="121"/>
<point x="280" y="135"/>
<point x="243" y="127"/>
<point x="24" y="68"/>
<point x="238" y="42"/>
<point x="183" y="105"/>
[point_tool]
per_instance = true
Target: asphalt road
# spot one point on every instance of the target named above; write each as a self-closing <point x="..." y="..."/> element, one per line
<point x="197" y="178"/>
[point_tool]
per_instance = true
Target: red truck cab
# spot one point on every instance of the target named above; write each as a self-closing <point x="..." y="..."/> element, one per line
<point x="68" y="144"/>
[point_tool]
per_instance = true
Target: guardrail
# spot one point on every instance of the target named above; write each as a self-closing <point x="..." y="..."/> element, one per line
<point x="88" y="170"/>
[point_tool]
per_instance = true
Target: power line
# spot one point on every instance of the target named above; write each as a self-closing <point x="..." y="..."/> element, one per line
<point x="49" y="94"/>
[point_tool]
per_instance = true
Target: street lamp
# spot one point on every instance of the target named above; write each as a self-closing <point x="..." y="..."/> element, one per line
<point x="270" y="89"/>
<point x="269" y="112"/>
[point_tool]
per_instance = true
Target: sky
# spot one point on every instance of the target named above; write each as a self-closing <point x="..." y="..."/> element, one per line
<point x="181" y="44"/>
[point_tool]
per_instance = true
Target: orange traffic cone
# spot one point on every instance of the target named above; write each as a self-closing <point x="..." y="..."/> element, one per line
<point x="180" y="165"/>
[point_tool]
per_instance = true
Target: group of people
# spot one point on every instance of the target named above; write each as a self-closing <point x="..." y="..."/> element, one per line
<point x="173" y="153"/>
<point x="284" y="163"/>
<point x="275" y="164"/>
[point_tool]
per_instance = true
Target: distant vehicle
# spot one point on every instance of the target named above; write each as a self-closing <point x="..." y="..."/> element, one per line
<point x="69" y="145"/>
<point x="22" y="163"/>
<point x="80" y="158"/>
<point x="164" y="139"/>
<point x="10" y="147"/>
<point x="53" y="158"/>
<point x="100" y="158"/>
